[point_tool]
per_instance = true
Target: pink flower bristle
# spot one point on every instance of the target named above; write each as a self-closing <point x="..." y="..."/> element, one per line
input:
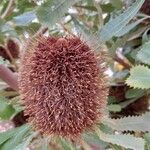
<point x="62" y="86"/>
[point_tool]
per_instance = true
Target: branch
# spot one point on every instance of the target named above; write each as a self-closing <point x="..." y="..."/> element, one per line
<point x="40" y="32"/>
<point x="100" y="14"/>
<point x="9" y="77"/>
<point x="8" y="9"/>
<point x="122" y="62"/>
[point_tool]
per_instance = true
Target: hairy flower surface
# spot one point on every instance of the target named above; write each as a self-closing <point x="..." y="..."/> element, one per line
<point x="3" y="52"/>
<point x="13" y="47"/>
<point x="62" y="85"/>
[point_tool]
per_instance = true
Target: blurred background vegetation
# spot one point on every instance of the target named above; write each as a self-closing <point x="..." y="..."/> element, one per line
<point x="121" y="27"/>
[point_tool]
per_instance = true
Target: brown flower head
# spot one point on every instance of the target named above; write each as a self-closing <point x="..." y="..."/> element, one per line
<point x="63" y="86"/>
<point x="3" y="53"/>
<point x="13" y="47"/>
<point x="146" y="7"/>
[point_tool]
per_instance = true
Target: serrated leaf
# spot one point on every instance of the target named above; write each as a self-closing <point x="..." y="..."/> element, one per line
<point x="17" y="138"/>
<point x="91" y="39"/>
<point x="127" y="141"/>
<point x="131" y="123"/>
<point x="52" y="11"/>
<point x="115" y="25"/>
<point x="144" y="54"/>
<point x="129" y="27"/>
<point x="81" y="28"/>
<point x="83" y="31"/>
<point x="4" y="136"/>
<point x="139" y="77"/>
<point x="25" y="143"/>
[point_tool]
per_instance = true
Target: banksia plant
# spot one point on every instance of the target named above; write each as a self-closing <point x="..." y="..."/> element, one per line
<point x="13" y="47"/>
<point x="3" y="53"/>
<point x="11" y="50"/>
<point x="62" y="86"/>
<point x="146" y="7"/>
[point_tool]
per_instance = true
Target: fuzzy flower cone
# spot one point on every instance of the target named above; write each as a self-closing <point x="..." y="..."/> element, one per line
<point x="62" y="86"/>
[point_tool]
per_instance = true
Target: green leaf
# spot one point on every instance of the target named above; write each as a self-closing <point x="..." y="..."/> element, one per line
<point x="4" y="136"/>
<point x="81" y="28"/>
<point x="127" y="141"/>
<point x="147" y="139"/>
<point x="131" y="123"/>
<point x="26" y="142"/>
<point x="129" y="27"/>
<point x="146" y="36"/>
<point x="114" y="108"/>
<point x="127" y="102"/>
<point x="2" y="61"/>
<point x="117" y="3"/>
<point x="67" y="145"/>
<point x="120" y="42"/>
<point x="6" y="110"/>
<point x="115" y="25"/>
<point x="25" y="18"/>
<point x="139" y="77"/>
<point x="52" y="11"/>
<point x="93" y="139"/>
<point x="45" y="144"/>
<point x="106" y="129"/>
<point x="17" y="138"/>
<point x="91" y="39"/>
<point x="144" y="54"/>
<point x="134" y="93"/>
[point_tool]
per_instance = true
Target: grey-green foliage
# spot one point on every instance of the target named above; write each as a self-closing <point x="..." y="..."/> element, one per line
<point x="130" y="123"/>
<point x="129" y="27"/>
<point x="2" y="61"/>
<point x="147" y="139"/>
<point x="134" y="93"/>
<point x="23" y="145"/>
<point x="16" y="138"/>
<point x="52" y="11"/>
<point x="116" y="25"/>
<point x="6" y="109"/>
<point x="25" y="19"/>
<point x="127" y="141"/>
<point x="139" y="77"/>
<point x="12" y="137"/>
<point x="144" y="54"/>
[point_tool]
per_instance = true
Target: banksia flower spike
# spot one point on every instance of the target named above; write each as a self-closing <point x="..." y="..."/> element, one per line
<point x="62" y="86"/>
<point x="146" y="7"/>
<point x="3" y="52"/>
<point x="13" y="47"/>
